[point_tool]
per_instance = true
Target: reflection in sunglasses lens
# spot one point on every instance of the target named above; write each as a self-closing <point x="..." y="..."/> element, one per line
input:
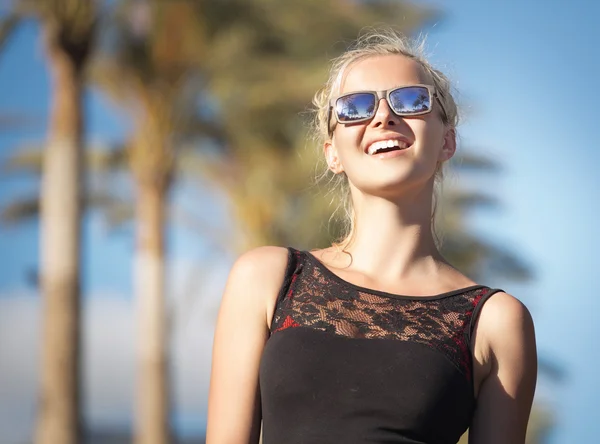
<point x="414" y="99"/>
<point x="355" y="107"/>
<point x="404" y="101"/>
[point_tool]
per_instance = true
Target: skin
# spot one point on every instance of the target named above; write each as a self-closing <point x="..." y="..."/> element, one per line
<point x="393" y="251"/>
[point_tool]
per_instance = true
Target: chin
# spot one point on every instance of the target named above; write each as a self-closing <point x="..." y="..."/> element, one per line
<point x="397" y="186"/>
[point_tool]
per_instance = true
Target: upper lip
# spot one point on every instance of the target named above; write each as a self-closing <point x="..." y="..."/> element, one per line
<point x="389" y="136"/>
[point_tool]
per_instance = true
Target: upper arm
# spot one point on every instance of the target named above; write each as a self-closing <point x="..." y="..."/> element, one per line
<point x="506" y="395"/>
<point x="240" y="334"/>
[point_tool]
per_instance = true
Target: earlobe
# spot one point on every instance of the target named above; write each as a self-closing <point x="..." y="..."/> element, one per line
<point x="331" y="155"/>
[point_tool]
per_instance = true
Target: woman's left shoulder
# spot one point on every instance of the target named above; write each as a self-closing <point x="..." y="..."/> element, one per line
<point x="506" y="328"/>
<point x="506" y="338"/>
<point x="504" y="313"/>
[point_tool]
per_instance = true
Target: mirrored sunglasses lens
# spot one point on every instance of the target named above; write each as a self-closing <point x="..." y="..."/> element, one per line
<point x="411" y="100"/>
<point x="355" y="107"/>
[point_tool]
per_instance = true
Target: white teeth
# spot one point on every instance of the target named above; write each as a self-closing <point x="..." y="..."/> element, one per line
<point x="376" y="146"/>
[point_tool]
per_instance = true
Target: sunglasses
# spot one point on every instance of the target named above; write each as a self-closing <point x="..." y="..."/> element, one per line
<point x="360" y="106"/>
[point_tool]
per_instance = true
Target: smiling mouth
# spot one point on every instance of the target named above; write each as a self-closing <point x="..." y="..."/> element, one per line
<point x="384" y="146"/>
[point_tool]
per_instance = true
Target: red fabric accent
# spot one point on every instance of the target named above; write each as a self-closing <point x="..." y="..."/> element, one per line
<point x="459" y="339"/>
<point x="287" y="323"/>
<point x="477" y="298"/>
<point x="289" y="295"/>
<point x="294" y="277"/>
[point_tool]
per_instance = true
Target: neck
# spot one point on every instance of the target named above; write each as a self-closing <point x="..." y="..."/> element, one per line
<point x="393" y="238"/>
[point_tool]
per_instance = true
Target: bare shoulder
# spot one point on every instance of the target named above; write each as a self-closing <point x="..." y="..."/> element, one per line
<point x="506" y="329"/>
<point x="240" y="335"/>
<point x="257" y="276"/>
<point x="261" y="262"/>
<point x="502" y="316"/>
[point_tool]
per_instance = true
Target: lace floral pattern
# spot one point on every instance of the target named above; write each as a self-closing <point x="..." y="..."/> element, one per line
<point x="317" y="299"/>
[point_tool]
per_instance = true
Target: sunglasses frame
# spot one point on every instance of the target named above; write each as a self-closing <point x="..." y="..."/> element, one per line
<point x="385" y="94"/>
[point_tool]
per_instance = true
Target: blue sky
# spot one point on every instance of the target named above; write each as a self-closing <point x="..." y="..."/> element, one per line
<point x="526" y="74"/>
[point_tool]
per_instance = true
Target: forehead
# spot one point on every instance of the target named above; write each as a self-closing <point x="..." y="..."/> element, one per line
<point x="383" y="72"/>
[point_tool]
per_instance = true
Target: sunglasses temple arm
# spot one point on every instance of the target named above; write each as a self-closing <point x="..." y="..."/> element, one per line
<point x="438" y="96"/>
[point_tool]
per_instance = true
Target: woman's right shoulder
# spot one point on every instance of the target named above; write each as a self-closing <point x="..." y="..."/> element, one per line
<point x="268" y="262"/>
<point x="256" y="279"/>
<point x="241" y="331"/>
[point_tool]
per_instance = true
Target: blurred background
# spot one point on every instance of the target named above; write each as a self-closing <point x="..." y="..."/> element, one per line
<point x="145" y="144"/>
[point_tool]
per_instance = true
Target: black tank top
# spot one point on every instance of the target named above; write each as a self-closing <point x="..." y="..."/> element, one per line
<point x="346" y="364"/>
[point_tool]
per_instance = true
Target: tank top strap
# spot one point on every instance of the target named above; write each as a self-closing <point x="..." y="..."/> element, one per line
<point x="478" y="303"/>
<point x="295" y="261"/>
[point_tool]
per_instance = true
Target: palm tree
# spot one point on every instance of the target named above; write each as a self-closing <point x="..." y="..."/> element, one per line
<point x="149" y="70"/>
<point x="68" y="27"/>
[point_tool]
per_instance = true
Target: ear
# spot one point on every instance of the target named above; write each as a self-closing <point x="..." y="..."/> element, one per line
<point x="449" y="146"/>
<point x="333" y="160"/>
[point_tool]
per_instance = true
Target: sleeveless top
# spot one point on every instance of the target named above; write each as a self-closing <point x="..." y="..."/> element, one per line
<point x="346" y="364"/>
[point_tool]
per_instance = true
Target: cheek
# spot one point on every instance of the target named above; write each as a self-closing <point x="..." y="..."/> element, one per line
<point x="348" y="140"/>
<point x="350" y="133"/>
<point x="429" y="135"/>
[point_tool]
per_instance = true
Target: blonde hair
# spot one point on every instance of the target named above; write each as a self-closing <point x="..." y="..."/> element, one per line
<point x="375" y="43"/>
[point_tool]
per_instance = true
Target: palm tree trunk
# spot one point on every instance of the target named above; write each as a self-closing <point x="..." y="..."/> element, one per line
<point x="152" y="391"/>
<point x="60" y="201"/>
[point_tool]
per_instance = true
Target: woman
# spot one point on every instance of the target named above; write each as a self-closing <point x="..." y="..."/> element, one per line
<point x="377" y="338"/>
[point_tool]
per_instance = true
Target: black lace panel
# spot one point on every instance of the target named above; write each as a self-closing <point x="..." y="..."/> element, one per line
<point x="317" y="299"/>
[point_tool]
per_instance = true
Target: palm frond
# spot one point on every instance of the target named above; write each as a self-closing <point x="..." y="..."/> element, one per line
<point x="8" y="24"/>
<point x="479" y="258"/>
<point x="469" y="161"/>
<point x="465" y="200"/>
<point x="99" y="159"/>
<point x="14" y="121"/>
<point x="27" y="158"/>
<point x="20" y="210"/>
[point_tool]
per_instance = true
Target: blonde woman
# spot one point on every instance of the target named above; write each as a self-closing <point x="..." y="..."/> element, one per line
<point x="376" y="339"/>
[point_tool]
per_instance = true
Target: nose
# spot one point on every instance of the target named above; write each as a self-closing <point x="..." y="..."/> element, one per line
<point x="384" y="116"/>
